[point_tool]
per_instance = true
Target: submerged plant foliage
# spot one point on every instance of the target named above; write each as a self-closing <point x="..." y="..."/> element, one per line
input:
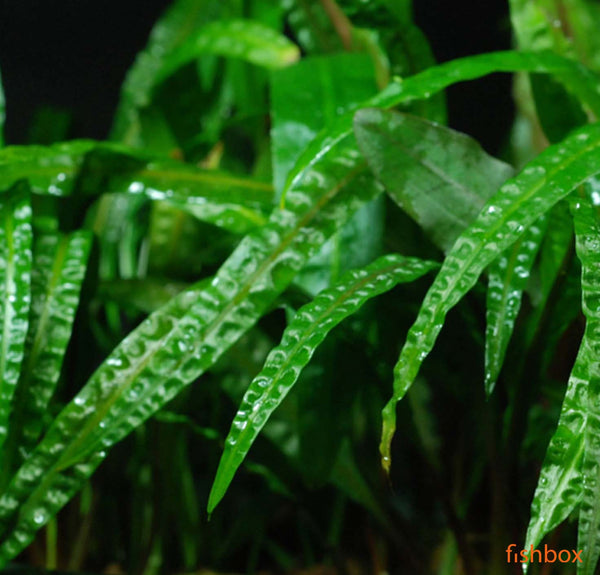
<point x="201" y="288"/>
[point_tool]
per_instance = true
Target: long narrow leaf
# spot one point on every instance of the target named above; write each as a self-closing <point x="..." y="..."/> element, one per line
<point x="442" y="179"/>
<point x="515" y="207"/>
<point x="301" y="338"/>
<point x="226" y="200"/>
<point x="587" y="231"/>
<point x="179" y="342"/>
<point x="244" y="39"/>
<point x="59" y="265"/>
<point x="508" y="277"/>
<point x="15" y="293"/>
<point x="573" y="450"/>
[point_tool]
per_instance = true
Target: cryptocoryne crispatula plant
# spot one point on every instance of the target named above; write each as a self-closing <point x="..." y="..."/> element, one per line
<point x="251" y="171"/>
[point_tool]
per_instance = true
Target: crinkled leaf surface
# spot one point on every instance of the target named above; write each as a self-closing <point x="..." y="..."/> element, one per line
<point x="569" y="475"/>
<point x="307" y="96"/>
<point x="440" y="177"/>
<point x="305" y="333"/>
<point x="176" y="344"/>
<point x="517" y="205"/>
<point x="507" y="279"/>
<point x="233" y="202"/>
<point x="15" y="292"/>
<point x="587" y="231"/>
<point x="59" y="265"/>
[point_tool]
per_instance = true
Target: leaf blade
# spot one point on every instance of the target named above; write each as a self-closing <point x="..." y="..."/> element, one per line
<point x="179" y="342"/>
<point x="508" y="278"/>
<point x="15" y="295"/>
<point x="304" y="334"/>
<point x="56" y="279"/>
<point x="440" y="177"/>
<point x="587" y="233"/>
<point x="509" y="212"/>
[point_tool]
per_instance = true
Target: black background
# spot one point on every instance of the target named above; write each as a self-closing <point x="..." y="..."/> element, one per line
<point x="73" y="55"/>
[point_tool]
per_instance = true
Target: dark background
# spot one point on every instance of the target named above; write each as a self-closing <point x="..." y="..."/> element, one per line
<point x="73" y="55"/>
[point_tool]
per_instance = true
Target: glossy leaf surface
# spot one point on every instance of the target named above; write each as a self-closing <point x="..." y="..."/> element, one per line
<point x="440" y="177"/>
<point x="508" y="278"/>
<point x="587" y="232"/>
<point x="244" y="39"/>
<point x="59" y="265"/>
<point x="227" y="200"/>
<point x="308" y="96"/>
<point x="569" y="476"/>
<point x="179" y="342"/>
<point x="305" y="333"/>
<point x="517" y="205"/>
<point x="15" y="293"/>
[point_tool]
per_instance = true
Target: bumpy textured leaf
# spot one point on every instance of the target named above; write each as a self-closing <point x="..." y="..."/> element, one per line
<point x="507" y="279"/>
<point x="576" y="78"/>
<point x="440" y="177"/>
<point x="244" y="39"/>
<point x="569" y="474"/>
<point x="587" y="231"/>
<point x="59" y="264"/>
<point x="15" y="292"/>
<point x="516" y="206"/>
<point x="223" y="199"/>
<point x="226" y="200"/>
<point x="306" y="97"/>
<point x="305" y="333"/>
<point x="176" y="344"/>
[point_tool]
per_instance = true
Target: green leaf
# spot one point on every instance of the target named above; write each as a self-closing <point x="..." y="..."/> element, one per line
<point x="181" y="19"/>
<point x="515" y="207"/>
<point x="15" y="294"/>
<point x="235" y="203"/>
<point x="226" y="200"/>
<point x="508" y="278"/>
<point x="576" y="78"/>
<point x="244" y="39"/>
<point x="539" y="26"/>
<point x="179" y="342"/>
<point x="305" y="333"/>
<point x="587" y="232"/>
<point x="307" y="96"/>
<point x="59" y="265"/>
<point x="440" y="177"/>
<point x="573" y="447"/>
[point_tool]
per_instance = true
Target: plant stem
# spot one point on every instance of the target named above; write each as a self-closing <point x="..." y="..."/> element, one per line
<point x="340" y="22"/>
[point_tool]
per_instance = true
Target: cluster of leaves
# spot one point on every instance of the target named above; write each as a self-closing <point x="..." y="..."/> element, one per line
<point x="257" y="190"/>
